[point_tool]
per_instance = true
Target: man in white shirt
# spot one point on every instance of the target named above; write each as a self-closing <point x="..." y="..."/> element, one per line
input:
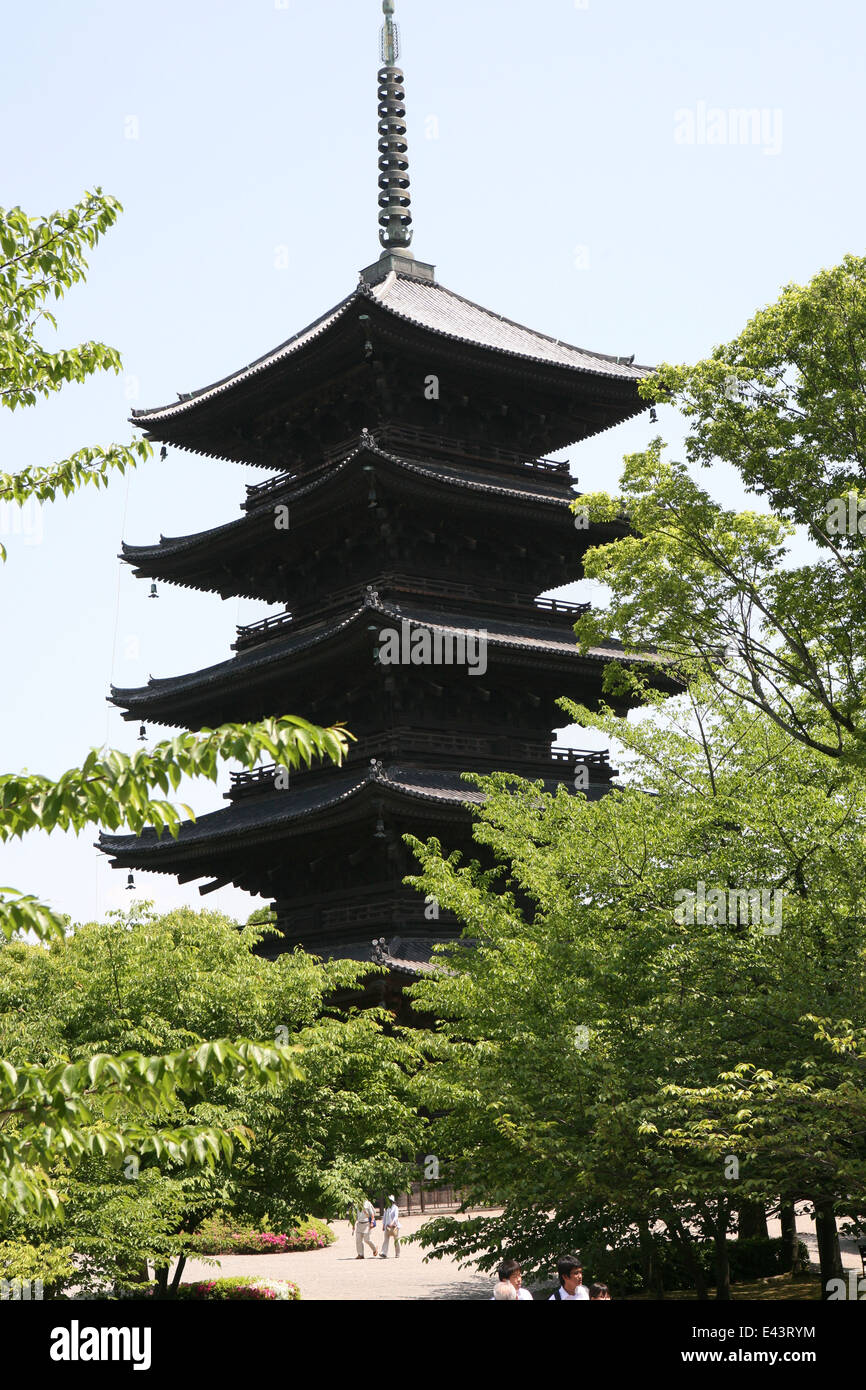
<point x="571" y="1287"/>
<point x="363" y="1222"/>
<point x="510" y="1272"/>
<point x="391" y="1227"/>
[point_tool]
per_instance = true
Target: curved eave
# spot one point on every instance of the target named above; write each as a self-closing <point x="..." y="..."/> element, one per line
<point x="294" y="813"/>
<point x="594" y="364"/>
<point x="330" y="479"/>
<point x="618" y="378"/>
<point x="192" y="400"/>
<point x="268" y="817"/>
<point x="535" y="641"/>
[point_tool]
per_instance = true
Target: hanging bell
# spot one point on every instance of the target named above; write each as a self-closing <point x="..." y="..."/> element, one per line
<point x="163" y="454"/>
<point x="142" y="734"/>
<point x="153" y="592"/>
<point x="380" y="830"/>
<point x="130" y="883"/>
<point x="654" y="418"/>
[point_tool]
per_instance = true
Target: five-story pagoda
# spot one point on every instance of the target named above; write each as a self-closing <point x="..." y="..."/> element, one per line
<point x="412" y="519"/>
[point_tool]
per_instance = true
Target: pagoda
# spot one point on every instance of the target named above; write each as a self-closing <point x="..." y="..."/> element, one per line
<point x="412" y="520"/>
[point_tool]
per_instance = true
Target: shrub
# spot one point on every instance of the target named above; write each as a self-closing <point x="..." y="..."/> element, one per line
<point x="757" y="1257"/>
<point x="219" y="1237"/>
<point x="243" y="1288"/>
<point x="50" y="1266"/>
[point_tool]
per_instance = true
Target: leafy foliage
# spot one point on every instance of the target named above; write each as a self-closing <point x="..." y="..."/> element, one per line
<point x="337" y="1122"/>
<point x="716" y="592"/>
<point x="245" y="1287"/>
<point x="50" y="1265"/>
<point x="40" y="259"/>
<point x="113" y="789"/>
<point x="600" y="1058"/>
<point x="63" y="1111"/>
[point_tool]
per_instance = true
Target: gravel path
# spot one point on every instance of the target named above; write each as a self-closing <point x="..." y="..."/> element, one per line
<point x="335" y="1274"/>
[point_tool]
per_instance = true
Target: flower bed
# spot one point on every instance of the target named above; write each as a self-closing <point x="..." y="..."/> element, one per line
<point x="251" y="1287"/>
<point x="220" y="1238"/>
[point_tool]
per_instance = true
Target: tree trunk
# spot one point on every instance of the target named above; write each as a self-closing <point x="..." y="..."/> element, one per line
<point x="828" y="1243"/>
<point x="652" y="1273"/>
<point x="181" y="1262"/>
<point x="790" y="1239"/>
<point x="160" y="1274"/>
<point x="723" y="1266"/>
<point x="683" y="1239"/>
<point x="752" y="1221"/>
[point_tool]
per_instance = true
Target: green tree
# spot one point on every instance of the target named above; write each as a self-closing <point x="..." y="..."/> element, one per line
<point x="717" y="592"/>
<point x="602" y="1053"/>
<point x="312" y="1143"/>
<point x="104" y="1105"/>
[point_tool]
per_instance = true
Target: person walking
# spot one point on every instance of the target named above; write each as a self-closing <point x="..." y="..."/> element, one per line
<point x="365" y="1220"/>
<point x="571" y="1286"/>
<point x="391" y="1227"/>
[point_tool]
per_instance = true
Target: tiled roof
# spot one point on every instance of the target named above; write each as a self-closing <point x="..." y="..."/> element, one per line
<point x="537" y="637"/>
<point x="432" y="306"/>
<point x="440" y="311"/>
<point x="193" y="398"/>
<point x="268" y="812"/>
<point x="252" y="815"/>
<point x="529" y="489"/>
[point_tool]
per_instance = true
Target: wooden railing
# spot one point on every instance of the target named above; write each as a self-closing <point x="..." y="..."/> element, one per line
<point x="432" y="1196"/>
<point x="259" y="490"/>
<point x="558" y="605"/>
<point x="400" y="437"/>
<point x="408" y="742"/>
<point x="466" y="450"/>
<point x="595" y="758"/>
<point x="252" y="634"/>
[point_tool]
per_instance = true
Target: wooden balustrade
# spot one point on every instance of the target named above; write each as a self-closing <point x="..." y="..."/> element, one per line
<point x="409" y="742"/>
<point x="415" y="586"/>
<point x="397" y="437"/>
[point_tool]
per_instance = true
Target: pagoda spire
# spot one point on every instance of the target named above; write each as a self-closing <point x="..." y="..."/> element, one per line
<point x="395" y="217"/>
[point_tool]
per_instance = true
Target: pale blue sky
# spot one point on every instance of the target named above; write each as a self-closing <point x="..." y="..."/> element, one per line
<point x="553" y="181"/>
